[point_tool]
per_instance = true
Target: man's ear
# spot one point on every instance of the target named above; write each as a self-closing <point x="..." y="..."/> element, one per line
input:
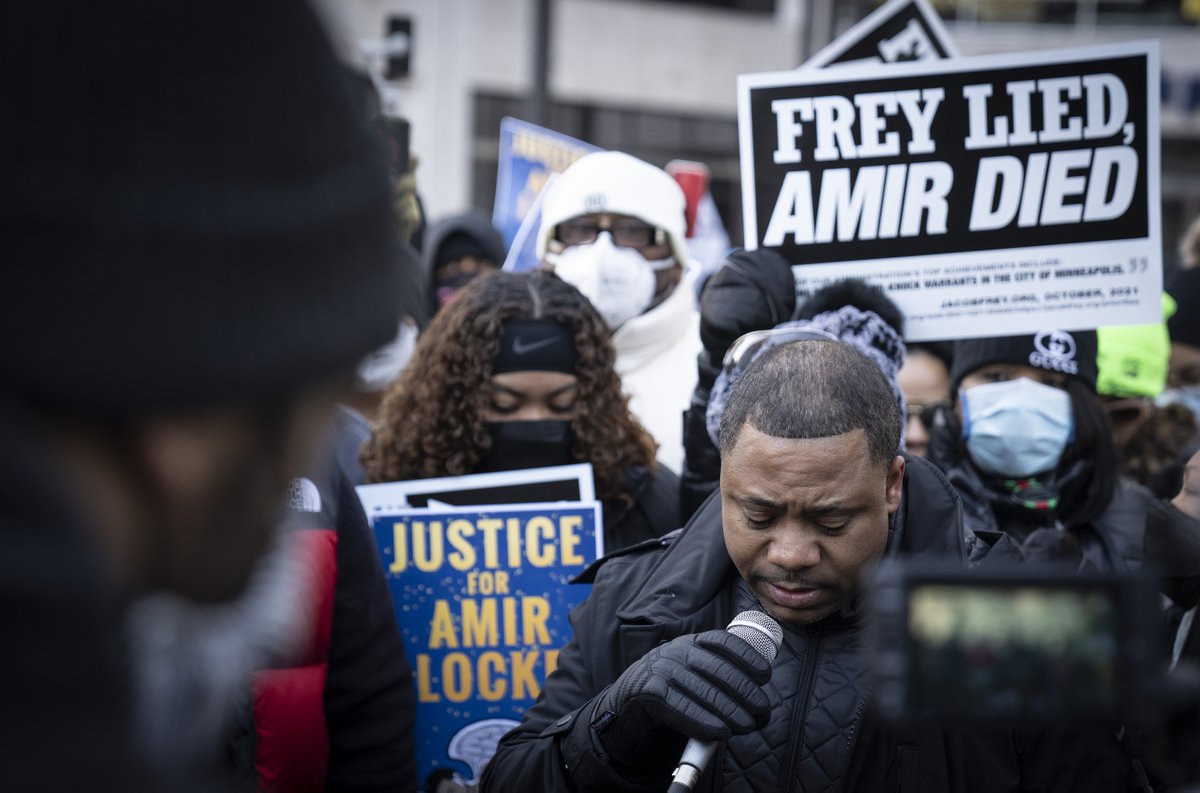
<point x="894" y="484"/>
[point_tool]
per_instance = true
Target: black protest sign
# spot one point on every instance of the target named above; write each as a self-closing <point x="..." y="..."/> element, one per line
<point x="1032" y="153"/>
<point x="896" y="32"/>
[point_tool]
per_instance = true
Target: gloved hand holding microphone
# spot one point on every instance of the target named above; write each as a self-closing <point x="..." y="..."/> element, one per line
<point x="706" y="687"/>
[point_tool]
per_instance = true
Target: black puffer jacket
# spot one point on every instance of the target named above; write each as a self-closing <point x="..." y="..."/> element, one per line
<point x="819" y="737"/>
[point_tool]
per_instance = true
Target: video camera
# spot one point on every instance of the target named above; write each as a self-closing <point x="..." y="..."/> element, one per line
<point x="1035" y="644"/>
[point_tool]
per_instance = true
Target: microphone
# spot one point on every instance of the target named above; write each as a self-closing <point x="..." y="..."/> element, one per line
<point x="763" y="634"/>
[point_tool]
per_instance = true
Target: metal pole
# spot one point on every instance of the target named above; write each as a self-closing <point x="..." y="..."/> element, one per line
<point x="537" y="110"/>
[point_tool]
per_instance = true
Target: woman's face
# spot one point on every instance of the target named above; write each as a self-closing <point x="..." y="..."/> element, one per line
<point x="999" y="372"/>
<point x="926" y="384"/>
<point x="532" y="396"/>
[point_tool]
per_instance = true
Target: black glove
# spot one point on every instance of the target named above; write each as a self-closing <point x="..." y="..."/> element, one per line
<point x="701" y="472"/>
<point x="753" y="290"/>
<point x="706" y="686"/>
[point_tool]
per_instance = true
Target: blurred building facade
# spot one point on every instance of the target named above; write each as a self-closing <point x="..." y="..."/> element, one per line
<point x="657" y="78"/>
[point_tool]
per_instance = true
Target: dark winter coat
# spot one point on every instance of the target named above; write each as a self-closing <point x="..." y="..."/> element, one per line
<point x="66" y="720"/>
<point x="653" y="513"/>
<point x="820" y="736"/>
<point x="1115" y="542"/>
<point x="340" y="716"/>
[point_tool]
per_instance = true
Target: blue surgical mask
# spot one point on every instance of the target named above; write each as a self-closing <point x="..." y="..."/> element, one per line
<point x="1188" y="396"/>
<point x="1016" y="428"/>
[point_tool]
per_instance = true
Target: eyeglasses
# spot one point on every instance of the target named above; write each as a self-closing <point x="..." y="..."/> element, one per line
<point x="925" y="412"/>
<point x="743" y="350"/>
<point x="625" y="233"/>
<point x="1123" y="411"/>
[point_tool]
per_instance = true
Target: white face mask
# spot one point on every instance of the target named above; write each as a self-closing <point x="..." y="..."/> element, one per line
<point x="380" y="368"/>
<point x="1016" y="428"/>
<point x="619" y="281"/>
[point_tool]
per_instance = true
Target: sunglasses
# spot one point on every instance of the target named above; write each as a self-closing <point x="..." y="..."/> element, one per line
<point x="624" y="233"/>
<point x="925" y="412"/>
<point x="742" y="351"/>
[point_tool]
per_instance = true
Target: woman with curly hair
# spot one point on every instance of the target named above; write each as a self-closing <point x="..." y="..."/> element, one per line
<point x="517" y="372"/>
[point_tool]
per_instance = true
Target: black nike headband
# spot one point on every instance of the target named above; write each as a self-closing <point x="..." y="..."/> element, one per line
<point x="535" y="345"/>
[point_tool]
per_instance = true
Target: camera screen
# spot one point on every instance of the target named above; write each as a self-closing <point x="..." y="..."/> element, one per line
<point x="1031" y="651"/>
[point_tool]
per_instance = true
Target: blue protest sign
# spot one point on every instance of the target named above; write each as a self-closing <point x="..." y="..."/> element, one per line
<point x="528" y="155"/>
<point x="482" y="597"/>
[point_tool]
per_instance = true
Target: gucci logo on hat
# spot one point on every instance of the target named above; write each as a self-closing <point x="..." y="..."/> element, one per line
<point x="1054" y="350"/>
<point x="595" y="202"/>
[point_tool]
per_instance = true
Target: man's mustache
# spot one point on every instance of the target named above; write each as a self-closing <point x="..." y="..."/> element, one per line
<point x="793" y="580"/>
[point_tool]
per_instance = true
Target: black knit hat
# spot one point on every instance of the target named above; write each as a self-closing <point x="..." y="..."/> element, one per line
<point x="460" y="244"/>
<point x="1184" y="325"/>
<point x="1072" y="353"/>
<point x="196" y="210"/>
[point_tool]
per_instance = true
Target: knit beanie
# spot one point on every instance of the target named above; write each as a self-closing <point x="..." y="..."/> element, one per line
<point x="1058" y="351"/>
<point x="196" y="209"/>
<point x="469" y="233"/>
<point x="865" y="331"/>
<point x="1184" y="327"/>
<point x="615" y="182"/>
<point x="1131" y="360"/>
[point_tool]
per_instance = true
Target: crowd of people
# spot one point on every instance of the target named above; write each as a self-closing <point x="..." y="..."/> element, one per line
<point x="224" y="311"/>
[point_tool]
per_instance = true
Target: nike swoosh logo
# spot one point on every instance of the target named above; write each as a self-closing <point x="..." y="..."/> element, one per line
<point x="521" y="347"/>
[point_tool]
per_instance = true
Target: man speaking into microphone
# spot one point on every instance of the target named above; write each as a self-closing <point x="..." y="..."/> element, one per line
<point x="813" y="493"/>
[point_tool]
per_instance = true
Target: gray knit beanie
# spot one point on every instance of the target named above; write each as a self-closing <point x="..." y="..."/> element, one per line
<point x="865" y="331"/>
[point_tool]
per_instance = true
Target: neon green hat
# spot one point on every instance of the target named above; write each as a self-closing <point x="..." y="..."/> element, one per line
<point x="1133" y="358"/>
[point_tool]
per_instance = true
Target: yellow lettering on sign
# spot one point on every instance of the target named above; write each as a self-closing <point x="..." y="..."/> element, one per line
<point x="479" y="623"/>
<point x="441" y="628"/>
<point x="427" y="545"/>
<point x="458" y="532"/>
<point x="399" y="547"/>
<point x="539" y="541"/>
<point x="491" y="676"/>
<point x="514" y="542"/>
<point x="456" y="677"/>
<point x="425" y="692"/>
<point x="538" y="530"/>
<point x="489" y="527"/>
<point x="491" y="689"/>
<point x="535" y="611"/>
<point x="525" y="686"/>
<point x="569" y="538"/>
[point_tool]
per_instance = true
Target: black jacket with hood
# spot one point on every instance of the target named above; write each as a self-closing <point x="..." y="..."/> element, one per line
<point x="473" y="224"/>
<point x="821" y="735"/>
<point x="997" y="526"/>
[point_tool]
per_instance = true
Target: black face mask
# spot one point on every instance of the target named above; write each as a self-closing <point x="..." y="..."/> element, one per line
<point x="446" y="288"/>
<point x="527" y="444"/>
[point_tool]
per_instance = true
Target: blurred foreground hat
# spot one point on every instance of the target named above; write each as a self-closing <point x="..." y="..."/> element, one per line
<point x="196" y="210"/>
<point x="1071" y="353"/>
<point x="1132" y="359"/>
<point x="615" y="182"/>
